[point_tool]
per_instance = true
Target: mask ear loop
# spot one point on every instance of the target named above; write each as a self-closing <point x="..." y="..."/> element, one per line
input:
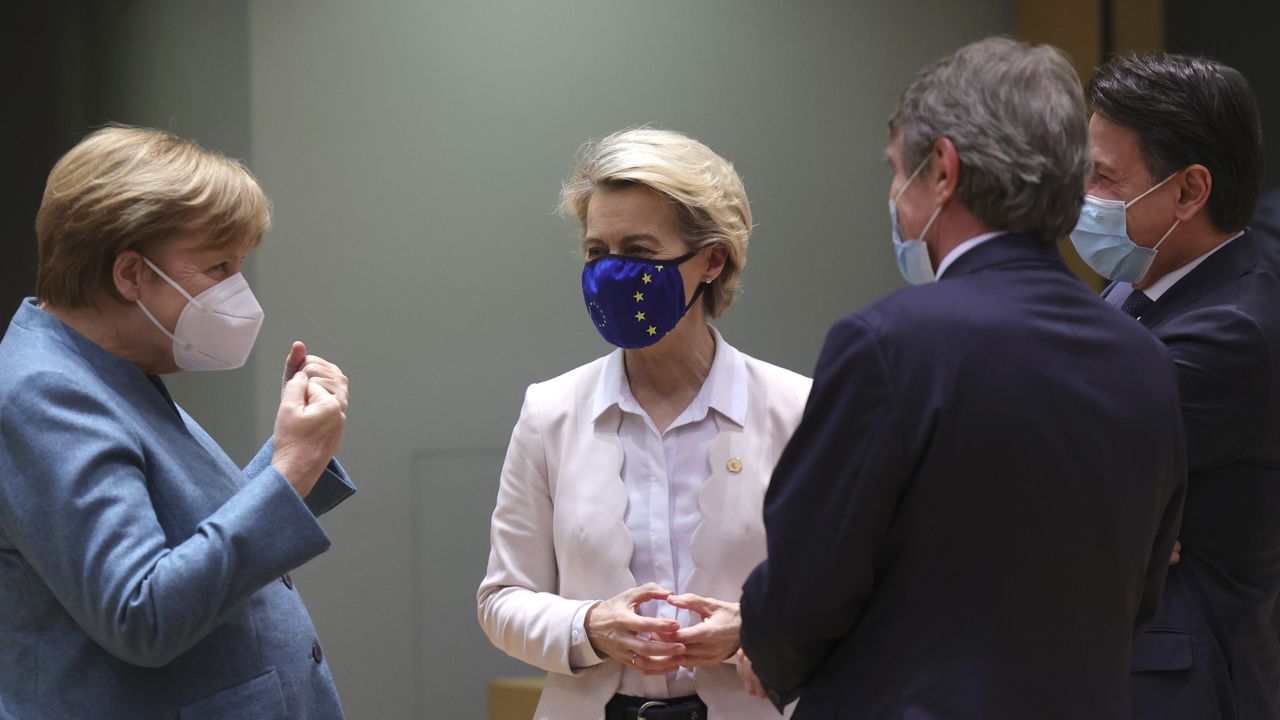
<point x="163" y="329"/>
<point x="1150" y="190"/>
<point x="910" y="178"/>
<point x="929" y="224"/>
<point x="1166" y="235"/>
<point x="696" y="294"/>
<point x="169" y="280"/>
<point x="152" y="318"/>
<point x="903" y="189"/>
<point x="701" y="286"/>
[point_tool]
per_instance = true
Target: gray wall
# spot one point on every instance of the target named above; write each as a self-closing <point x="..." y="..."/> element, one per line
<point x="180" y="65"/>
<point x="40" y="69"/>
<point x="414" y="152"/>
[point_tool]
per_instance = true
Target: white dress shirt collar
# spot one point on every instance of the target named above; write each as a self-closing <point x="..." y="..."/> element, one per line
<point x="1161" y="286"/>
<point x="724" y="390"/>
<point x="965" y="247"/>
<point x="1121" y="290"/>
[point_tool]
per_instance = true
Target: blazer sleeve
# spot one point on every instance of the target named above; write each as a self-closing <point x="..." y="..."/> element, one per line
<point x="1158" y="565"/>
<point x="75" y="502"/>
<point x="517" y="602"/>
<point x="1224" y="366"/>
<point x="1170" y="520"/>
<point x="330" y="490"/>
<point x="826" y="512"/>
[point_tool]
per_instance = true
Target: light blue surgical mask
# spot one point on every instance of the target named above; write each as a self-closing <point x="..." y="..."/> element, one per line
<point x="1102" y="238"/>
<point x="913" y="255"/>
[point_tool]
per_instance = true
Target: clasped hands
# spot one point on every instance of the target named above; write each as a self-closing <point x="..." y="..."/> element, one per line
<point x="311" y="418"/>
<point x="657" y="646"/>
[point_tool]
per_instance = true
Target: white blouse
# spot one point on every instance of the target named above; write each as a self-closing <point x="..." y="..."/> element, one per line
<point x="664" y="474"/>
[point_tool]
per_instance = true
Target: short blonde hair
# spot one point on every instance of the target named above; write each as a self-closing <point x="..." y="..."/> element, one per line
<point x="127" y="188"/>
<point x="710" y="201"/>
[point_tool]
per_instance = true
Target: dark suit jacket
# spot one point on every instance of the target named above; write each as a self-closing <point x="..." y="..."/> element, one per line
<point x="1212" y="651"/>
<point x="977" y="507"/>
<point x="1265" y="228"/>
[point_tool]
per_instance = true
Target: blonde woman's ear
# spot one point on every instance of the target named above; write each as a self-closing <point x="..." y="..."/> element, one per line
<point x="127" y="273"/>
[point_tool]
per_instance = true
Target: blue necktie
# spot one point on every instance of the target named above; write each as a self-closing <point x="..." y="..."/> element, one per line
<point x="1137" y="303"/>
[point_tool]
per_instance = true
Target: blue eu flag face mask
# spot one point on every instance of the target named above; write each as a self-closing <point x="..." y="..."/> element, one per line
<point x="1102" y="238"/>
<point x="634" y="303"/>
<point x="913" y="255"/>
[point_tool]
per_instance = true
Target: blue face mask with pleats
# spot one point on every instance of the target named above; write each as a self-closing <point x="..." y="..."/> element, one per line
<point x="634" y="303"/>
<point x="913" y="255"/>
<point x="1101" y="236"/>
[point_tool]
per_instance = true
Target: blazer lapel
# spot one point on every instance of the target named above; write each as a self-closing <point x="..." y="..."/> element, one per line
<point x="729" y="540"/>
<point x="601" y="500"/>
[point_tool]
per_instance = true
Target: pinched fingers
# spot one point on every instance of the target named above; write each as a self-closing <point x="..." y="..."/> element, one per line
<point x="333" y="388"/>
<point x="640" y="595"/>
<point x="703" y="606"/>
<point x="316" y="366"/>
<point x="640" y="624"/>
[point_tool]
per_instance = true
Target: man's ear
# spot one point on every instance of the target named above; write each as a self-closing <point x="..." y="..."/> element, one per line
<point x="946" y="160"/>
<point x="1193" y="191"/>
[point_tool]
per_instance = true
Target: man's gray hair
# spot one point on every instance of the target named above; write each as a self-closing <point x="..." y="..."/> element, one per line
<point x="1016" y="115"/>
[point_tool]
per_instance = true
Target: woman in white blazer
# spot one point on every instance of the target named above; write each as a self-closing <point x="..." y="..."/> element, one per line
<point x="629" y="510"/>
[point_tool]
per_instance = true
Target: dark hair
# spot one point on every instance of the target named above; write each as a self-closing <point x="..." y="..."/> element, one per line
<point x="1188" y="110"/>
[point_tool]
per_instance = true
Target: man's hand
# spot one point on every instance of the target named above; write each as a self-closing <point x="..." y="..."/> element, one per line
<point x="754" y="687"/>
<point x="1176" y="556"/>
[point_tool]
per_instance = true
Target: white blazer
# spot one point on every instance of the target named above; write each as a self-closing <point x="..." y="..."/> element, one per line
<point x="559" y="538"/>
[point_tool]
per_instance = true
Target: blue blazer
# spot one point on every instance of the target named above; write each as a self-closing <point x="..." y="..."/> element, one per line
<point x="975" y="513"/>
<point x="143" y="574"/>
<point x="1212" y="650"/>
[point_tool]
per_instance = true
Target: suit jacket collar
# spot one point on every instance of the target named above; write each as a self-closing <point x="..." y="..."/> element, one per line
<point x="115" y="370"/>
<point x="1236" y="259"/>
<point x="1009" y="248"/>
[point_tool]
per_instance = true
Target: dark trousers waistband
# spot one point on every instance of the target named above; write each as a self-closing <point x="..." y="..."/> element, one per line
<point x="627" y="707"/>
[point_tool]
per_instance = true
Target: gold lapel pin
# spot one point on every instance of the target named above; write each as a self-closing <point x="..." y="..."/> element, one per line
<point x="734" y="465"/>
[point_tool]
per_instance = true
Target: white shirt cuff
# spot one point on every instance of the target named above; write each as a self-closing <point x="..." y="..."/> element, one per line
<point x="581" y="654"/>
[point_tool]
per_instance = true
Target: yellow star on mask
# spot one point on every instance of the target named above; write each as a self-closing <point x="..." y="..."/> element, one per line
<point x="652" y="330"/>
<point x="659" y="268"/>
<point x="647" y="278"/>
<point x="639" y="296"/>
<point x="639" y="316"/>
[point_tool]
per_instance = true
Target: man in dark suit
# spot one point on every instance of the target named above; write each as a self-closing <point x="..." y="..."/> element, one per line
<point x="977" y="508"/>
<point x="1183" y="134"/>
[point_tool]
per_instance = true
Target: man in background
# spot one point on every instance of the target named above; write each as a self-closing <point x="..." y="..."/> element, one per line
<point x="1177" y="168"/>
<point x="977" y="508"/>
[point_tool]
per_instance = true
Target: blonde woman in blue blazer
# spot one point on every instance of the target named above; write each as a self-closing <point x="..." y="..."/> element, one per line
<point x="629" y="509"/>
<point x="142" y="574"/>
